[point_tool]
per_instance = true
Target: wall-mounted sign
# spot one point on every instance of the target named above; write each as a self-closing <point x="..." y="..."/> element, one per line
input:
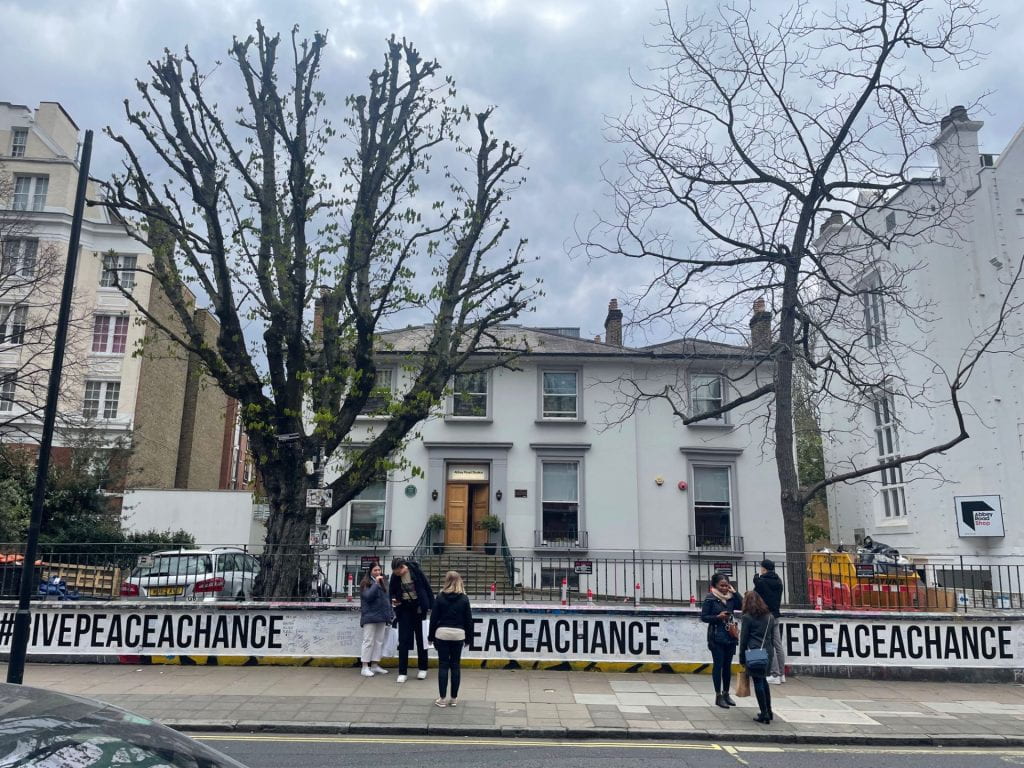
<point x="319" y="497"/>
<point x="724" y="568"/>
<point x="467" y="473"/>
<point x="979" y="516"/>
<point x="320" y="536"/>
<point x="520" y="493"/>
<point x="410" y="491"/>
<point x="584" y="567"/>
<point x="366" y="562"/>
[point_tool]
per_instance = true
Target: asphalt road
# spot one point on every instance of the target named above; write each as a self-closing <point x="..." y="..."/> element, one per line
<point x="269" y="751"/>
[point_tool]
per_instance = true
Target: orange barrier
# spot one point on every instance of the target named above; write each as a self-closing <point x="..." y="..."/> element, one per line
<point x="832" y="594"/>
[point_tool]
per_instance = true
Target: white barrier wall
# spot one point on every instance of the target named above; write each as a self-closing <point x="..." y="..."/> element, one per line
<point x="521" y="634"/>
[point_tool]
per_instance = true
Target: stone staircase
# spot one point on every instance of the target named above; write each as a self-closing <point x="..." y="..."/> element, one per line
<point x="478" y="572"/>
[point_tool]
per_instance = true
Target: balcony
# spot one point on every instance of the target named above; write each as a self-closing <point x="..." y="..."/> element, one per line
<point x="560" y="541"/>
<point x="363" y="538"/>
<point x="715" y="545"/>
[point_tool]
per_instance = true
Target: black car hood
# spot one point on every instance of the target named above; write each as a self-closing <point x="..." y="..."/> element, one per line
<point x="44" y="728"/>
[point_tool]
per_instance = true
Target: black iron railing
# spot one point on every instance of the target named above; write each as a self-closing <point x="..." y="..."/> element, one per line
<point x="559" y="540"/>
<point x="716" y="544"/>
<point x="363" y="538"/>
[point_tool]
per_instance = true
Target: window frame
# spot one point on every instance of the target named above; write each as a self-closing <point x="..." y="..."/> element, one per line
<point x="110" y="335"/>
<point x="16" y="336"/>
<point x="8" y="390"/>
<point x="730" y="468"/>
<point x="103" y="402"/>
<point x="892" y="485"/>
<point x="542" y="413"/>
<point x="578" y="461"/>
<point x="126" y="274"/>
<point x="32" y="200"/>
<point x="873" y="315"/>
<point x="384" y="503"/>
<point x="722" y="419"/>
<point x="13" y="257"/>
<point x="16" y="132"/>
<point x="485" y="374"/>
<point x="376" y="402"/>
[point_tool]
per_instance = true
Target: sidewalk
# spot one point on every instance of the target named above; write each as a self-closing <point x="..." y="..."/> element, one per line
<point x="547" y="704"/>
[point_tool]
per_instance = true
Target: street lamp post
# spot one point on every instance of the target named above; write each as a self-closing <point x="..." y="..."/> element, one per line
<point x="22" y="618"/>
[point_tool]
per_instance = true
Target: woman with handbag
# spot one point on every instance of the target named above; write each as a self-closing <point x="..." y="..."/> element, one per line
<point x="723" y="635"/>
<point x="755" y="645"/>
<point x="375" y="616"/>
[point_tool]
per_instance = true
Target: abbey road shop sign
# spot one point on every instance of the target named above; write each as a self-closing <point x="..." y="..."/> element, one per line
<point x="979" y="516"/>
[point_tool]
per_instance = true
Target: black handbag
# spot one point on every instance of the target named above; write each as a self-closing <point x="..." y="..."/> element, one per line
<point x="757" y="658"/>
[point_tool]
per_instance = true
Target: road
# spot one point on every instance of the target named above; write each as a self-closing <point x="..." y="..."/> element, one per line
<point x="269" y="751"/>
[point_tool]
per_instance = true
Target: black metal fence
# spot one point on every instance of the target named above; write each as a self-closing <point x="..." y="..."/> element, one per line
<point x="830" y="581"/>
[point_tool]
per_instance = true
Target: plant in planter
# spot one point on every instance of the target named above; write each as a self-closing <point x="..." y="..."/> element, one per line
<point x="436" y="524"/>
<point x="492" y="525"/>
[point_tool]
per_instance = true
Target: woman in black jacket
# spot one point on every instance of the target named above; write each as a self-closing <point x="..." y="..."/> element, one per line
<point x="756" y="632"/>
<point x="716" y="612"/>
<point x="451" y="624"/>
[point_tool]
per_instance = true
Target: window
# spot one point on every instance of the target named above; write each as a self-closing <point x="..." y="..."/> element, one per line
<point x="706" y="395"/>
<point x="19" y="258"/>
<point x="101" y="399"/>
<point x="118" y="270"/>
<point x="366" y="522"/>
<point x="8" y="386"/>
<point x="470" y="395"/>
<point x="110" y="334"/>
<point x="560" y="399"/>
<point x="19" y="141"/>
<point x="30" y="192"/>
<point x="12" y="324"/>
<point x="894" y="501"/>
<point x="712" y="506"/>
<point x="380" y="395"/>
<point x="890" y="221"/>
<point x="873" y="306"/>
<point x="560" y="501"/>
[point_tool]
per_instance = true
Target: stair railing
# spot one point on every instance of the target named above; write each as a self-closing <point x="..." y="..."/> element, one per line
<point x="510" y="566"/>
<point x="423" y="545"/>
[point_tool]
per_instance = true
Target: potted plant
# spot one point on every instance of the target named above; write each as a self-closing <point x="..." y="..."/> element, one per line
<point x="436" y="523"/>
<point x="492" y="525"/>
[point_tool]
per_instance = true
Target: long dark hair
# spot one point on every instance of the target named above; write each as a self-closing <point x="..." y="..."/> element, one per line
<point x="368" y="576"/>
<point x="754" y="605"/>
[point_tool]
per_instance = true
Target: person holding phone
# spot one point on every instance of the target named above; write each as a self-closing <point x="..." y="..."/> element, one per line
<point x="375" y="615"/>
<point x="723" y="635"/>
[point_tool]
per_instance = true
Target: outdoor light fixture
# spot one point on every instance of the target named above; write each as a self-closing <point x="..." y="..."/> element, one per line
<point x="498" y="495"/>
<point x="433" y="494"/>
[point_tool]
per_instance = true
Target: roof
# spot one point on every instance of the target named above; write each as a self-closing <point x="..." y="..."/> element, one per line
<point x="534" y="342"/>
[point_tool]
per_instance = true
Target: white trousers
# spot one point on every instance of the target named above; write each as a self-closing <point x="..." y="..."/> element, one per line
<point x="373" y="642"/>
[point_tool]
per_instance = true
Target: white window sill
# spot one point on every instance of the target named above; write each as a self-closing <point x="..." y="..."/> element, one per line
<point x="468" y="419"/>
<point x="560" y="421"/>
<point x="106" y="354"/>
<point x="709" y="424"/>
<point x="902" y="522"/>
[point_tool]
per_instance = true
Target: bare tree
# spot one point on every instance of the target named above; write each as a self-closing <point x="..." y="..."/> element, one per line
<point x="31" y="272"/>
<point x="753" y="132"/>
<point x="243" y="208"/>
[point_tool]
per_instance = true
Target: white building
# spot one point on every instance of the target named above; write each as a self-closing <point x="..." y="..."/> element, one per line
<point x="956" y="277"/>
<point x="551" y="448"/>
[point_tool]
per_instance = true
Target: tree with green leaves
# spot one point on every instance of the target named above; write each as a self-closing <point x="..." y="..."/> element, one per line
<point x="245" y="208"/>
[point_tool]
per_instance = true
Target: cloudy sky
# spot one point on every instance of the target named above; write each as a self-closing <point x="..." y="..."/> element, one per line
<point x="556" y="70"/>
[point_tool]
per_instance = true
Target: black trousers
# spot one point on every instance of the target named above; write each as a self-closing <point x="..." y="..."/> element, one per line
<point x="721" y="667"/>
<point x="763" y="692"/>
<point x="410" y="626"/>
<point x="449" y="658"/>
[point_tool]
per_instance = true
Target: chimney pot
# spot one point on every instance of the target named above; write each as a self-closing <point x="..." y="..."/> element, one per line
<point x="613" y="324"/>
<point x="761" y="327"/>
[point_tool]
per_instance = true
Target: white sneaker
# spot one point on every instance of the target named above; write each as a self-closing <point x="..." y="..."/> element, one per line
<point x="367" y="672"/>
<point x="400" y="679"/>
<point x="782" y="679"/>
<point x="377" y="669"/>
<point x="774" y="679"/>
<point x="421" y="675"/>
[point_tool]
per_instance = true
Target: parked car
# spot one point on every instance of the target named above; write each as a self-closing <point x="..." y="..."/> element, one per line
<point x="41" y="728"/>
<point x="221" y="573"/>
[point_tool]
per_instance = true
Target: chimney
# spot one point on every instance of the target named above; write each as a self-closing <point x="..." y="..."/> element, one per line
<point x="957" y="149"/>
<point x="760" y="328"/>
<point x="318" y="321"/>
<point x="832" y="225"/>
<point x="613" y="324"/>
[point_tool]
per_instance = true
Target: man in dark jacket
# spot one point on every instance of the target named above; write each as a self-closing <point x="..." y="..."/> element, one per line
<point x="769" y="586"/>
<point x="412" y="599"/>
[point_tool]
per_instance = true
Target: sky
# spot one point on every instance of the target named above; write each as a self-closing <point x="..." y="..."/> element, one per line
<point x="557" y="71"/>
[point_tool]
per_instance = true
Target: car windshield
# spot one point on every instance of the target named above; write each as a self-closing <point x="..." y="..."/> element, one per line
<point x="175" y="565"/>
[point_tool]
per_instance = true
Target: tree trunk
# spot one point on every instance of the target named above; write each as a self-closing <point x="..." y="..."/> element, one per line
<point x="785" y="458"/>
<point x="286" y="565"/>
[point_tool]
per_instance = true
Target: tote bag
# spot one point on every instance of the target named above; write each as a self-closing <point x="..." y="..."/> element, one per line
<point x="390" y="642"/>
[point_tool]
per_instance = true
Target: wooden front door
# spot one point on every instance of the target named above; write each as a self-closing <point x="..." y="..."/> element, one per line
<point x="456" y="514"/>
<point x="479" y="495"/>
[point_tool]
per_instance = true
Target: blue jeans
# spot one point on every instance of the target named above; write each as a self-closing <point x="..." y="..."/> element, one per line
<point x="721" y="666"/>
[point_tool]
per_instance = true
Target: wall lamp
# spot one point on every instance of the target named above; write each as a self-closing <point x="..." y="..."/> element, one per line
<point x="498" y="495"/>
<point x="433" y="494"/>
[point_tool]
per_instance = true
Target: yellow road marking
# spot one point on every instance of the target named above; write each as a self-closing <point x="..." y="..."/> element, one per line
<point x="733" y="750"/>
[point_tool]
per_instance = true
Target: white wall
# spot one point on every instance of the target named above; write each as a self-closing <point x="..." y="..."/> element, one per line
<point x="212" y="517"/>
